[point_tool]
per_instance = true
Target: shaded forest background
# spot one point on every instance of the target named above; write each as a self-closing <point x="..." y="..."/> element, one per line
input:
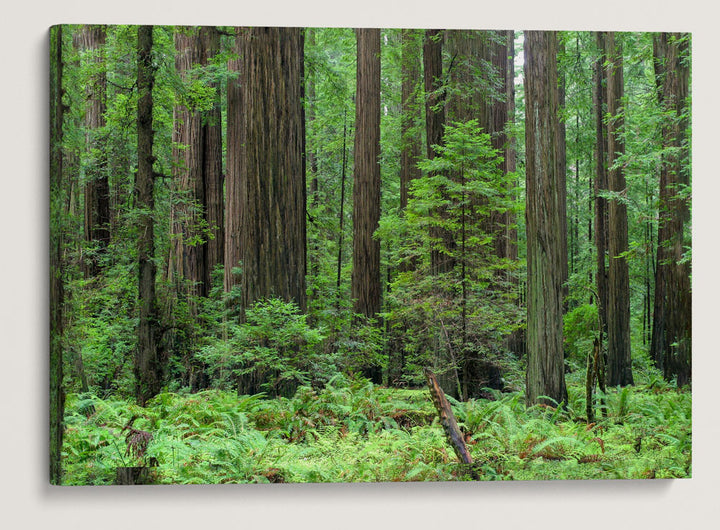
<point x="260" y="209"/>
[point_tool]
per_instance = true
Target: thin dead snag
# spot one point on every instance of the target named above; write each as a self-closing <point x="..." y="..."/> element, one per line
<point x="447" y="420"/>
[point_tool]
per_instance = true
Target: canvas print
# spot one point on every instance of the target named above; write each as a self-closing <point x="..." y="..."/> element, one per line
<point x="291" y="255"/>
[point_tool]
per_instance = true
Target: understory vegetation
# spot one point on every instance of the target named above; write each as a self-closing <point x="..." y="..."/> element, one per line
<point x="354" y="431"/>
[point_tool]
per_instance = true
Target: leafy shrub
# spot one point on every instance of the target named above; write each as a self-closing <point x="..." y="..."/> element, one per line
<point x="274" y="351"/>
<point x="101" y="332"/>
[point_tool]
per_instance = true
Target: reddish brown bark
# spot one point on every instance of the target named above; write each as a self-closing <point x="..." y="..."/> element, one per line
<point x="511" y="236"/>
<point x="545" y="198"/>
<point x="233" y="181"/>
<point x="90" y="40"/>
<point x="619" y="362"/>
<point x="411" y="139"/>
<point x="188" y="253"/>
<point x="148" y="365"/>
<point x="671" y="345"/>
<point x="601" y="184"/>
<point x="212" y="166"/>
<point x="272" y="172"/>
<point x="366" y="185"/>
<point x="197" y="209"/>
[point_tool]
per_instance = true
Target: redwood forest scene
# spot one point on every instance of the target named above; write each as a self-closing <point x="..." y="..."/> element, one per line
<point x="301" y="255"/>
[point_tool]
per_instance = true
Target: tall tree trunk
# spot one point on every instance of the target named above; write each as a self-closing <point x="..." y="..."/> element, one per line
<point x="148" y="365"/>
<point x="234" y="163"/>
<point x="500" y="50"/>
<point x="516" y="341"/>
<point x="57" y="294"/>
<point x="188" y="253"/>
<point x="434" y="102"/>
<point x="197" y="209"/>
<point x="672" y="323"/>
<point x="562" y="169"/>
<point x="619" y="365"/>
<point x="469" y="55"/>
<point x="601" y="183"/>
<point x="545" y="204"/>
<point x="272" y="187"/>
<point x="366" y="181"/>
<point x="212" y="166"/>
<point x="511" y="236"/>
<point x="434" y="124"/>
<point x="410" y="136"/>
<point x="91" y="41"/>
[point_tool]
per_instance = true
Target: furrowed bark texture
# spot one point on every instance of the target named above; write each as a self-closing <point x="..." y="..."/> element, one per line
<point x="601" y="183"/>
<point x="148" y="365"/>
<point x="501" y="113"/>
<point x="366" y="185"/>
<point x="188" y="254"/>
<point x="619" y="363"/>
<point x="411" y="138"/>
<point x="91" y="41"/>
<point x="212" y="166"/>
<point x="545" y="202"/>
<point x="197" y="209"/>
<point x="671" y="344"/>
<point x="272" y="177"/>
<point x="562" y="168"/>
<point x="233" y="181"/>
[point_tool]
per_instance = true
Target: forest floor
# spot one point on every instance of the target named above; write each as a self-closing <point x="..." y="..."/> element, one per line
<point x="353" y="431"/>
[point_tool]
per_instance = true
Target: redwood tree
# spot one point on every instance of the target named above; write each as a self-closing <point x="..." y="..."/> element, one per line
<point x="187" y="258"/>
<point x="671" y="344"/>
<point x="366" y="175"/>
<point x="619" y="363"/>
<point x="197" y="208"/>
<point x="501" y="116"/>
<point x="366" y="186"/>
<point x="91" y="41"/>
<point x="600" y="184"/>
<point x="148" y="364"/>
<point x="410" y="147"/>
<point x="545" y="198"/>
<point x="233" y="180"/>
<point x="212" y="164"/>
<point x="272" y="166"/>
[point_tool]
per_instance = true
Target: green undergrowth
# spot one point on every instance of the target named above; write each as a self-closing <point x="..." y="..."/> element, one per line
<point x="353" y="431"/>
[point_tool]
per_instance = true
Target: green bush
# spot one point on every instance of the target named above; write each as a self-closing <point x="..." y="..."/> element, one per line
<point x="274" y="351"/>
